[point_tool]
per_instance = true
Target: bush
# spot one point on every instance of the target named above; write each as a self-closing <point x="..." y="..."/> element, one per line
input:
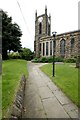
<point x="14" y="55"/>
<point x="43" y="59"/>
<point x="59" y="59"/>
<point x="50" y="59"/>
<point x="26" y="54"/>
<point x="70" y="60"/>
<point x="35" y="60"/>
<point x="47" y="59"/>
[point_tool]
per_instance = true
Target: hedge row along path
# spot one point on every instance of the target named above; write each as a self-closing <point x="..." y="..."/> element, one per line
<point x="43" y="99"/>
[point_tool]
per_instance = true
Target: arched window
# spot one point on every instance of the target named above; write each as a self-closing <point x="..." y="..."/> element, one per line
<point x="54" y="46"/>
<point x="43" y="49"/>
<point x="48" y="29"/>
<point x="72" y="44"/>
<point x="46" y="48"/>
<point x="40" y="47"/>
<point x="50" y="47"/>
<point x="40" y="28"/>
<point x="62" y="47"/>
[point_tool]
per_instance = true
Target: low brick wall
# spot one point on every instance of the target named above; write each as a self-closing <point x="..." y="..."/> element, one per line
<point x="17" y="108"/>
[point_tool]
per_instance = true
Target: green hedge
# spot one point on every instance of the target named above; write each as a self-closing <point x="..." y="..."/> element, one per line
<point x="35" y="60"/>
<point x="50" y="59"/>
<point x="43" y="59"/>
<point x="70" y="60"/>
<point x="59" y="59"/>
<point x="47" y="59"/>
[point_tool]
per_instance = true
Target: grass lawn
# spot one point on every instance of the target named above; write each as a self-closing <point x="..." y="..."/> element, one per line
<point x="0" y="97"/>
<point x="66" y="78"/>
<point x="12" y="71"/>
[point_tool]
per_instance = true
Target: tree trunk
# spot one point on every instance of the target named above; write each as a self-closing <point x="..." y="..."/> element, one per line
<point x="4" y="55"/>
<point x="78" y="62"/>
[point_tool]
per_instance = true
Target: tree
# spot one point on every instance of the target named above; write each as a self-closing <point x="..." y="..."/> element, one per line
<point x="78" y="62"/>
<point x="26" y="54"/>
<point x="11" y="34"/>
<point x="78" y="56"/>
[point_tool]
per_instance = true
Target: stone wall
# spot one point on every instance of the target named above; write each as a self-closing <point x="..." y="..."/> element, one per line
<point x="17" y="107"/>
<point x="45" y="37"/>
<point x="44" y="20"/>
<point x="67" y="37"/>
<point x="69" y="52"/>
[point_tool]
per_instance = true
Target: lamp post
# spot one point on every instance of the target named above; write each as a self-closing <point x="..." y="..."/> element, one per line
<point x="54" y="44"/>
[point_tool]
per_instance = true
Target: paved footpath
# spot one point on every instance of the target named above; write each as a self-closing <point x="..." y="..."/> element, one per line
<point x="43" y="99"/>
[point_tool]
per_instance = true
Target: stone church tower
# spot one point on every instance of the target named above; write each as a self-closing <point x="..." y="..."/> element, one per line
<point x="66" y="44"/>
<point x="42" y="29"/>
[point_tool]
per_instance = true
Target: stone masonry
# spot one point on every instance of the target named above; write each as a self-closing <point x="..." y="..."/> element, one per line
<point x="43" y="37"/>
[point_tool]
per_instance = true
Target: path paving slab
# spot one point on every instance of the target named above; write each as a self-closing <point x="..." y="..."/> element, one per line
<point x="31" y="89"/>
<point x="35" y="114"/>
<point x="70" y="107"/>
<point x="52" y="86"/>
<point x="40" y="83"/>
<point x="54" y="109"/>
<point x="45" y="92"/>
<point x="43" y="76"/>
<point x="61" y="97"/>
<point x="33" y="102"/>
<point x="43" y="99"/>
<point x="73" y="114"/>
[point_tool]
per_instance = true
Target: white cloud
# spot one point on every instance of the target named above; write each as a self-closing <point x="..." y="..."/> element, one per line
<point x="64" y="16"/>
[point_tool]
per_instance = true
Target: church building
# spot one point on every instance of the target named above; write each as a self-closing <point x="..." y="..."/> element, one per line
<point x="65" y="44"/>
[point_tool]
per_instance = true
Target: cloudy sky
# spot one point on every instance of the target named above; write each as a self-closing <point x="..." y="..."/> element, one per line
<point x="64" y="16"/>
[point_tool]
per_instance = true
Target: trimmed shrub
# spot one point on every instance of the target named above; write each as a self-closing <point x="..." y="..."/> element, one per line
<point x="35" y="60"/>
<point x="43" y="59"/>
<point x="47" y="59"/>
<point x="70" y="60"/>
<point x="59" y="59"/>
<point x="50" y="59"/>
